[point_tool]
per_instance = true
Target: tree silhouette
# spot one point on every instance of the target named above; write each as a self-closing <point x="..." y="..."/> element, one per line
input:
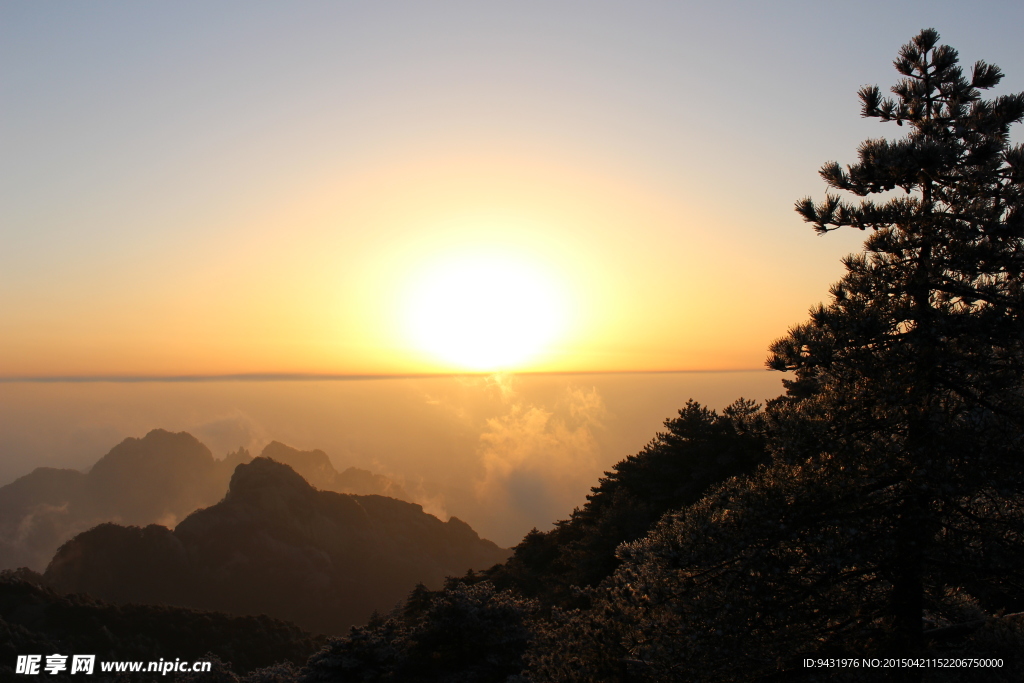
<point x="699" y="449"/>
<point x="918" y="361"/>
<point x="461" y="634"/>
<point x="891" y="518"/>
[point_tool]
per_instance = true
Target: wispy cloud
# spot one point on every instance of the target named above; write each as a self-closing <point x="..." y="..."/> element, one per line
<point x="535" y="458"/>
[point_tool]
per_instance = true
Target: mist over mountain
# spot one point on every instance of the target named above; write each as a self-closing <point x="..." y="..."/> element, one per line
<point x="276" y="545"/>
<point x="158" y="479"/>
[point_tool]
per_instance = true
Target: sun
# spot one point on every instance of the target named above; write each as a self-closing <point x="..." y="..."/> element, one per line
<point x="484" y="311"/>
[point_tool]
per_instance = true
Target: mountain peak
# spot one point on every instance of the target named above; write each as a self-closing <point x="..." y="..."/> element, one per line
<point x="263" y="475"/>
<point x="278" y="546"/>
<point x="159" y="447"/>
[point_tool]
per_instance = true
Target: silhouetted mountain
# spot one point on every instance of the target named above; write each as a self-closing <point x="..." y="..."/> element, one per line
<point x="316" y="468"/>
<point x="35" y="517"/>
<point x="163" y="475"/>
<point x="34" y="619"/>
<point x="276" y="545"/>
<point x="158" y="479"/>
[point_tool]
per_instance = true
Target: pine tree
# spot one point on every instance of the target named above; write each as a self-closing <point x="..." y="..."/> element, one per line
<point x="892" y="513"/>
<point x="940" y="283"/>
<point x="920" y="354"/>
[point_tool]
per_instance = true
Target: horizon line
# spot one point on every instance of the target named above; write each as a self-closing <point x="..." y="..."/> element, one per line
<point x="328" y="377"/>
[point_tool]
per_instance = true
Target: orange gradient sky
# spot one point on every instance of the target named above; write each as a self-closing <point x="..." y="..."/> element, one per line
<point x="267" y="188"/>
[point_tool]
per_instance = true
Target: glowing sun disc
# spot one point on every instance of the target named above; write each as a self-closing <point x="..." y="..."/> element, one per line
<point x="484" y="312"/>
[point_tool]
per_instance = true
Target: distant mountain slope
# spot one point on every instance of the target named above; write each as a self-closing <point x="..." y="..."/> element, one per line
<point x="276" y="545"/>
<point x="316" y="468"/>
<point x="158" y="479"/>
<point x="38" y="512"/>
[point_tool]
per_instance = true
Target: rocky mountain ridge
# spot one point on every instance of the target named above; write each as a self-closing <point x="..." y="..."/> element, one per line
<point x="158" y="479"/>
<point x="276" y="545"/>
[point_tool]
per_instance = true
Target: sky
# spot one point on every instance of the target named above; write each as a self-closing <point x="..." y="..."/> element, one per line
<point x="402" y="189"/>
<point x="198" y="188"/>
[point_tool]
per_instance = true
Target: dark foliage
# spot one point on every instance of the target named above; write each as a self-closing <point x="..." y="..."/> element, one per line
<point x="37" y="620"/>
<point x="462" y="634"/>
<point x="891" y="519"/>
<point x="917" y="364"/>
<point x="700" y="448"/>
